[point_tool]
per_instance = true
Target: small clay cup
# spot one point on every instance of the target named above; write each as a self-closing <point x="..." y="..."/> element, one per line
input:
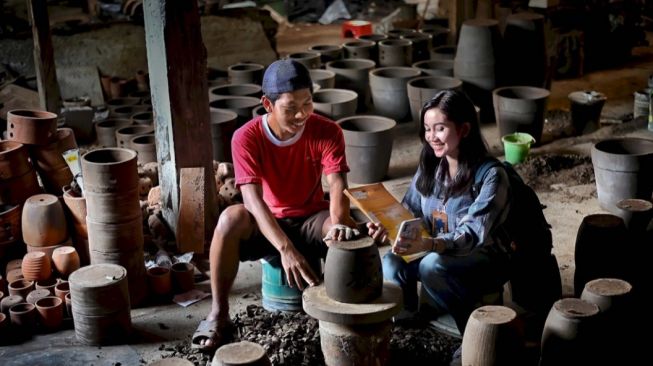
<point x="21" y="288"/>
<point x="50" y="311"/>
<point x="47" y="285"/>
<point x="183" y="277"/>
<point x="159" y="280"/>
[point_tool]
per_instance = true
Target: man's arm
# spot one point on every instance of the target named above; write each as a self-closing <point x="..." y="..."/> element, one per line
<point x="294" y="264"/>
<point x="339" y="203"/>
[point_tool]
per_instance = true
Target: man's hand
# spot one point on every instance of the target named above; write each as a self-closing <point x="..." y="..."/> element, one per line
<point x="377" y="232"/>
<point x="341" y="232"/>
<point x="297" y="269"/>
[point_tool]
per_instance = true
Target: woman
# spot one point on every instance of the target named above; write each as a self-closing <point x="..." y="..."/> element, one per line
<point x="465" y="257"/>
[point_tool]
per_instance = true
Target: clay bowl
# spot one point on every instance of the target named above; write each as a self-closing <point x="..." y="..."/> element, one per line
<point x="21" y="288"/>
<point x="36" y="266"/>
<point x="47" y="222"/>
<point x="65" y="260"/>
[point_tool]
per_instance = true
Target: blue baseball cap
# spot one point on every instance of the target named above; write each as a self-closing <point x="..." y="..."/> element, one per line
<point x="285" y="76"/>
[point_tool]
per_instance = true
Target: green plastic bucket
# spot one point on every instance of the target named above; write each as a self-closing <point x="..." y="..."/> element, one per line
<point x="516" y="146"/>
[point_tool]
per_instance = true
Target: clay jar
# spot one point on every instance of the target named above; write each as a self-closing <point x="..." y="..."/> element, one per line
<point x="352" y="272"/>
<point x="159" y="281"/>
<point x="183" y="277"/>
<point x="36" y="266"/>
<point x="47" y="222"/>
<point x="50" y="310"/>
<point x="65" y="260"/>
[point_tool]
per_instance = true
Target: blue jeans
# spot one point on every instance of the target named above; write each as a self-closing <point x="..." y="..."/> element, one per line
<point x="455" y="283"/>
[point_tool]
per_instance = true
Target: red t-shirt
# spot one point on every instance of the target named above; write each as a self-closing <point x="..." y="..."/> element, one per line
<point x="291" y="176"/>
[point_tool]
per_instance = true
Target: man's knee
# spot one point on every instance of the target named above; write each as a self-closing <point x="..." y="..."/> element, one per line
<point x="233" y="218"/>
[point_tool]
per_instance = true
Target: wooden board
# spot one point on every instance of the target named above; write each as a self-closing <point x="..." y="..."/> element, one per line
<point x="80" y="81"/>
<point x="16" y="97"/>
<point x="190" y="223"/>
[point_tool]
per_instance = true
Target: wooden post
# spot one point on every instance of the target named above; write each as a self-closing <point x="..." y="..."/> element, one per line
<point x="177" y="65"/>
<point x="46" y="74"/>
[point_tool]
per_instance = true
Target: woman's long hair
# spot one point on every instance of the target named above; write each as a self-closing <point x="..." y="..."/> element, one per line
<point x="472" y="150"/>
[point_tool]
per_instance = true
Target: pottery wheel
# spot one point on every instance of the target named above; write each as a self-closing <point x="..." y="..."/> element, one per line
<point x="317" y="304"/>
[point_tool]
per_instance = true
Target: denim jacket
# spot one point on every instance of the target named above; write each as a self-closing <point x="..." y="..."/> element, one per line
<point x="472" y="222"/>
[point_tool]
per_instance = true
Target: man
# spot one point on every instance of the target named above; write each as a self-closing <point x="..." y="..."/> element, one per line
<point x="279" y="159"/>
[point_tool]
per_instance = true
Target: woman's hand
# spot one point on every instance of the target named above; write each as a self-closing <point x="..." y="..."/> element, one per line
<point x="377" y="232"/>
<point x="408" y="246"/>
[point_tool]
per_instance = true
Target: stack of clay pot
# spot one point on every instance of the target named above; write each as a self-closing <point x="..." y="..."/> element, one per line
<point x="44" y="225"/>
<point x="114" y="216"/>
<point x="75" y="207"/>
<point x="18" y="179"/>
<point x="101" y="304"/>
<point x="38" y="130"/>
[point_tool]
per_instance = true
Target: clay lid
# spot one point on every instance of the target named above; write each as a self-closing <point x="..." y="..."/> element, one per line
<point x="241" y="353"/>
<point x="97" y="275"/>
<point x="636" y="205"/>
<point x="586" y="97"/>
<point x="493" y="314"/>
<point x="172" y="361"/>
<point x="317" y="304"/>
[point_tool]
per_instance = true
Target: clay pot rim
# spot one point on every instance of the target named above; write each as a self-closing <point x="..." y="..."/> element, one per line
<point x="16" y="309"/>
<point x="36" y="254"/>
<point x="522" y="92"/>
<point x="395" y="42"/>
<point x="229" y="99"/>
<point x="381" y="124"/>
<point x="5" y="209"/>
<point x="381" y="72"/>
<point x="421" y="64"/>
<point x="253" y="89"/>
<point x="143" y="139"/>
<point x="31" y="114"/>
<point x="66" y="249"/>
<point x="359" y="43"/>
<point x="448" y="82"/>
<point x="12" y="284"/>
<point x="62" y="283"/>
<point x="122" y="155"/>
<point x="345" y="95"/>
<point x="635" y="204"/>
<point x="56" y="302"/>
<point x="319" y="74"/>
<point x="113" y="122"/>
<point x="230" y="115"/>
<point x="50" y="282"/>
<point x="186" y="267"/>
<point x="158" y="271"/>
<point x="351" y="64"/>
<point x="7" y="146"/>
<point x="245" y="66"/>
<point x="621" y="142"/>
<point x="416" y="36"/>
<point x="304" y="55"/>
<point x="325" y="47"/>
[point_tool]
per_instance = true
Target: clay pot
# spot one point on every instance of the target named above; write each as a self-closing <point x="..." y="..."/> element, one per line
<point x="422" y="89"/>
<point x="492" y="337"/>
<point x="23" y="316"/>
<point x="47" y="285"/>
<point x="145" y="148"/>
<point x="109" y="170"/>
<point x="242" y="90"/>
<point x="335" y="103"/>
<point x="421" y="45"/>
<point x="245" y="73"/>
<point x="65" y="260"/>
<point x="327" y="52"/>
<point x="352" y="271"/>
<point x="353" y="74"/>
<point x="10" y="224"/>
<point x="636" y="213"/>
<point x="14" y="274"/>
<point x="223" y="125"/>
<point x="36" y="266"/>
<point x="395" y="52"/>
<point x="13" y="159"/>
<point x="50" y="310"/>
<point x="444" y="53"/>
<point x="21" y="288"/>
<point x="326" y="79"/>
<point x="183" y="277"/>
<point x="8" y="301"/>
<point x="76" y="209"/>
<point x="125" y="134"/>
<point x="389" y="91"/>
<point x="520" y="109"/>
<point x="127" y="112"/>
<point x="16" y="190"/>
<point x="14" y="264"/>
<point x="116" y="103"/>
<point x="159" y="281"/>
<point x="435" y="67"/>
<point x="61" y="290"/>
<point x="242" y="106"/>
<point x="48" y="250"/>
<point x="361" y="49"/>
<point x="106" y="131"/>
<point x="114" y="238"/>
<point x="47" y="221"/>
<point x="55" y="180"/>
<point x="241" y="353"/>
<point x="309" y="59"/>
<point x="143" y="118"/>
<point x="31" y="126"/>
<point x="36" y="295"/>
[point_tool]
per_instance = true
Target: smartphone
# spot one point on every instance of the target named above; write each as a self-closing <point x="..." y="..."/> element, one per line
<point x="411" y="229"/>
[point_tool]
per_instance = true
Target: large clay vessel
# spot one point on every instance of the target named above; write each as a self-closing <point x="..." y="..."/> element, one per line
<point x="395" y="52"/>
<point x="622" y="168"/>
<point x="326" y="79"/>
<point x="309" y="59"/>
<point x="422" y="89"/>
<point x="242" y="106"/>
<point x="520" y="109"/>
<point x="327" y="52"/>
<point x="353" y="74"/>
<point x="352" y="271"/>
<point x="389" y="91"/>
<point x="585" y="107"/>
<point x="47" y="221"/>
<point x="246" y="73"/>
<point x="368" y="141"/>
<point x="31" y="126"/>
<point x="145" y="147"/>
<point x="361" y="49"/>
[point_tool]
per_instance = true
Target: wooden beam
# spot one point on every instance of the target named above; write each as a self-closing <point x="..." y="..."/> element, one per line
<point x="46" y="74"/>
<point x="177" y="65"/>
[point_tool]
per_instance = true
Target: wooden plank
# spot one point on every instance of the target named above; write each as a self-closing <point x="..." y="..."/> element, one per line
<point x="177" y="65"/>
<point x="190" y="223"/>
<point x="17" y="97"/>
<point x="46" y="74"/>
<point x="80" y="81"/>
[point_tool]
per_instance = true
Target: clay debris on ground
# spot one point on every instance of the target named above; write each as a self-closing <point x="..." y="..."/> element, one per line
<point x="293" y="339"/>
<point x="542" y="172"/>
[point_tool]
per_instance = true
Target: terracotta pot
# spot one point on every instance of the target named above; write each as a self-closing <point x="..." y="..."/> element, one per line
<point x="55" y="180"/>
<point x="76" y="208"/>
<point x="16" y="190"/>
<point x="13" y="159"/>
<point x="109" y="170"/>
<point x="10" y="227"/>
<point x="126" y="112"/>
<point x="47" y="221"/>
<point x="23" y="316"/>
<point x="47" y="285"/>
<point x="50" y="311"/>
<point x="145" y="148"/>
<point x="14" y="264"/>
<point x="65" y="260"/>
<point x="21" y="288"/>
<point x="159" y="281"/>
<point x="183" y="277"/>
<point x="36" y="295"/>
<point x="352" y="271"/>
<point x="113" y="238"/>
<point x="8" y="301"/>
<point x="61" y="290"/>
<point x="106" y="130"/>
<point x="31" y="126"/>
<point x="48" y="250"/>
<point x="36" y="266"/>
<point x="15" y="274"/>
<point x="125" y="134"/>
